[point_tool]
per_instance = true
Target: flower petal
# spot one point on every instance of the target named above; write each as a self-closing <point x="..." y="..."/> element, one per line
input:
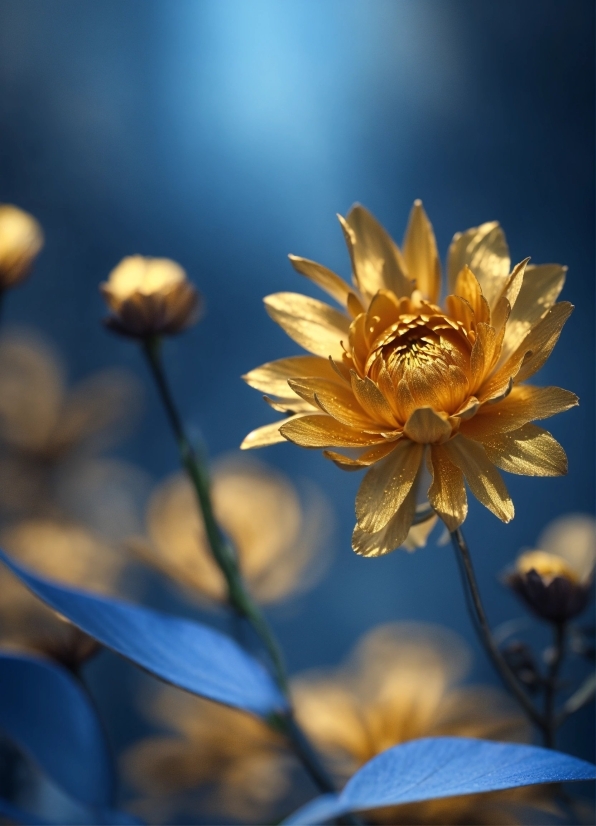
<point x="378" y="263"/>
<point x="267" y="435"/>
<point x="425" y="426"/>
<point x="365" y="459"/>
<point x="484" y="250"/>
<point x="394" y="534"/>
<point x="323" y="277"/>
<point x="524" y="404"/>
<point x="539" y="291"/>
<point x="447" y="493"/>
<point x="482" y="477"/>
<point x="386" y="485"/>
<point x="541" y="339"/>
<point x="467" y="287"/>
<point x="273" y="377"/>
<point x="420" y="254"/>
<point x="314" y="325"/>
<point x="372" y="400"/>
<point x="320" y="430"/>
<point x="528" y="451"/>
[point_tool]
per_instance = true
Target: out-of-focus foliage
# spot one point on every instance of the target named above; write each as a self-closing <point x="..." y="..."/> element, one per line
<point x="403" y="682"/>
<point x="281" y="542"/>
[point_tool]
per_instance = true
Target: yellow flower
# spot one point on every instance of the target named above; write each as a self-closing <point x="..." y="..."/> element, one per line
<point x="21" y="239"/>
<point x="149" y="297"/>
<point x="279" y="542"/>
<point x="63" y="551"/>
<point x="556" y="578"/>
<point x="397" y="379"/>
<point x="214" y="760"/>
<point x="50" y="435"/>
<point x="402" y="683"/>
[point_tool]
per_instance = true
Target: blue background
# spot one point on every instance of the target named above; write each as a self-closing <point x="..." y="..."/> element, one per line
<point x="226" y="134"/>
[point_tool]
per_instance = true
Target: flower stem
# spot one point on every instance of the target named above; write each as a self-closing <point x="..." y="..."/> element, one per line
<point x="550" y="688"/>
<point x="223" y="553"/>
<point x="239" y="597"/>
<point x="484" y="632"/>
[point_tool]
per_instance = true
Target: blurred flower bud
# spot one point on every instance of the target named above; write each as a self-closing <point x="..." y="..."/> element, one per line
<point x="149" y="297"/>
<point x="556" y="580"/>
<point x="21" y="238"/>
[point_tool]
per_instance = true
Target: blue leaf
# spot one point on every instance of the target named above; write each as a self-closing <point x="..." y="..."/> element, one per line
<point x="182" y="652"/>
<point x="47" y="714"/>
<point x="442" y="767"/>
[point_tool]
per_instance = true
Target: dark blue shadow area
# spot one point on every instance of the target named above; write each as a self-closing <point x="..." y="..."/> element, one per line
<point x="226" y="134"/>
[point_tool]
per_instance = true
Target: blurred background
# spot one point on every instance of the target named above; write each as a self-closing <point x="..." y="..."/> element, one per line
<point x="226" y="134"/>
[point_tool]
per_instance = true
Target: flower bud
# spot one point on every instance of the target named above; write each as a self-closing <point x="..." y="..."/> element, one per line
<point x="149" y="297"/>
<point x="21" y="239"/>
<point x="556" y="581"/>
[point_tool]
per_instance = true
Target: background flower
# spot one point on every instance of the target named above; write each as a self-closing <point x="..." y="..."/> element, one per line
<point x="21" y="239"/>
<point x="51" y="436"/>
<point x="402" y="682"/>
<point x="557" y="578"/>
<point x="281" y="542"/>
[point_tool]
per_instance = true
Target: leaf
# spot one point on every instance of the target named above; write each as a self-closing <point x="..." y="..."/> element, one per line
<point x="182" y="652"/>
<point x="443" y="767"/>
<point x="46" y="713"/>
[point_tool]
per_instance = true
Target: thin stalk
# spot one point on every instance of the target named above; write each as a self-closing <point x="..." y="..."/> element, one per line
<point x="551" y="684"/>
<point x="485" y="635"/>
<point x="239" y="597"/>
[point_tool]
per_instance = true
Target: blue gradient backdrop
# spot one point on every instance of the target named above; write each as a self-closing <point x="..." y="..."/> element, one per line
<point x="226" y="134"/>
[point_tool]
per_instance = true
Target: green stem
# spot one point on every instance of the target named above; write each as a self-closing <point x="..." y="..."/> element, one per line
<point x="223" y="553"/>
<point x="485" y="634"/>
<point x="551" y="685"/>
<point x="239" y="597"/>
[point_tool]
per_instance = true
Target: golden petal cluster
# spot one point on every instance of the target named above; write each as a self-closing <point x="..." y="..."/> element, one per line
<point x="403" y="682"/>
<point x="21" y="239"/>
<point x="556" y="578"/>
<point x="149" y="297"/>
<point x="280" y="542"/>
<point x="50" y="433"/>
<point x="396" y="381"/>
<point x="68" y="553"/>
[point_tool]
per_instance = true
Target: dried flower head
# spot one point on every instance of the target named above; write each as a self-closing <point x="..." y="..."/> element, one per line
<point x="403" y="682"/>
<point x="149" y="297"/>
<point x="280" y="542"/>
<point x="63" y="551"/>
<point x="397" y="379"/>
<point x="50" y="436"/>
<point x="556" y="579"/>
<point x="21" y="239"/>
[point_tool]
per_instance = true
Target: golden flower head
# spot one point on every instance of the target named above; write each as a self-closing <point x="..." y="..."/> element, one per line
<point x="280" y="542"/>
<point x="50" y="434"/>
<point x="556" y="579"/>
<point x="63" y="551"/>
<point x="403" y="682"/>
<point x="21" y="239"/>
<point x="149" y="297"/>
<point x="401" y="381"/>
